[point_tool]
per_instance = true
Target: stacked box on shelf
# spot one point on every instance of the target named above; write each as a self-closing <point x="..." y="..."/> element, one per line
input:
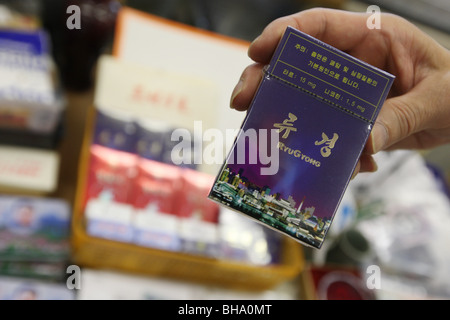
<point x="31" y="105"/>
<point x="34" y="237"/>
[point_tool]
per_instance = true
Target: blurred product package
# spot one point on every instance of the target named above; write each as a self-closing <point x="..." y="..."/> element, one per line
<point x="34" y="229"/>
<point x="108" y="198"/>
<point x="154" y="198"/>
<point x="198" y="216"/>
<point x="28" y="170"/>
<point x="31" y="105"/>
<point x="34" y="239"/>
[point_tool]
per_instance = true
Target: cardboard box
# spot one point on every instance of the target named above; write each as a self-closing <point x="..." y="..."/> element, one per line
<point x="29" y="101"/>
<point x="302" y="137"/>
<point x="28" y="171"/>
<point x="199" y="54"/>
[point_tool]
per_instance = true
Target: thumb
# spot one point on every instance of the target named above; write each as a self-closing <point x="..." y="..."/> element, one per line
<point x="418" y="119"/>
<point x="398" y="120"/>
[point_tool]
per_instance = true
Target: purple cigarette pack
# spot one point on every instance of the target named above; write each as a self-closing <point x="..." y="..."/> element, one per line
<point x="301" y="139"/>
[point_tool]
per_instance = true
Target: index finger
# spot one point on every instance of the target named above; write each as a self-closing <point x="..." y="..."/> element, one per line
<point x="341" y="29"/>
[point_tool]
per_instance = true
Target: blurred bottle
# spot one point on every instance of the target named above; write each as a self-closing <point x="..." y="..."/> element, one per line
<point x="76" y="50"/>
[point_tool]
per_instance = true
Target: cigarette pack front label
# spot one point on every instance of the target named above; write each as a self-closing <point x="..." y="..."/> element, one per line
<point x="302" y="137"/>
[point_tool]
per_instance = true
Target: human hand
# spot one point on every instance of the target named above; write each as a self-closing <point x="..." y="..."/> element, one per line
<point x="416" y="114"/>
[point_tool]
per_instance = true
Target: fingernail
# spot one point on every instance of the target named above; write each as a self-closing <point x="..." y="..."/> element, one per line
<point x="379" y="137"/>
<point x="373" y="164"/>
<point x="237" y="89"/>
<point x="356" y="171"/>
<point x="253" y="42"/>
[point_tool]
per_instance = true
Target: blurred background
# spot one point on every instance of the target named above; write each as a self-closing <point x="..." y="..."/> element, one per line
<point x="73" y="101"/>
